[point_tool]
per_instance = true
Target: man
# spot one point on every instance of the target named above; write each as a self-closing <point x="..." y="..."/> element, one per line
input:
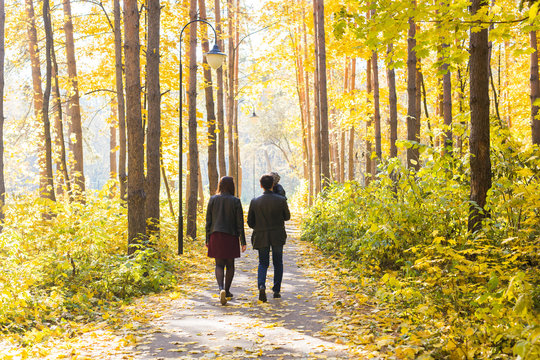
<point x="266" y="216"/>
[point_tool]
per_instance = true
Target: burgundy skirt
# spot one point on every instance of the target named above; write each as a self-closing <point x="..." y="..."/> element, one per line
<point x="223" y="246"/>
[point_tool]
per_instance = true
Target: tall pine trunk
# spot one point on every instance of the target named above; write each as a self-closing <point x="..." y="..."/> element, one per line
<point x="119" y="82"/>
<point x="135" y="135"/>
<point x="309" y="139"/>
<point x="352" y="85"/>
<point x="535" y="90"/>
<point x="153" y="136"/>
<point x="369" y="88"/>
<point x="413" y="153"/>
<point x="316" y="108"/>
<point x="2" y="56"/>
<point x="113" y="165"/>
<point x="49" y="193"/>
<point x="392" y="100"/>
<point x="210" y="111"/>
<point x="447" y="103"/>
<point x="36" y="87"/>
<point x="479" y="141"/>
<point x="74" y="110"/>
<point x="323" y="98"/>
<point x="191" y="225"/>
<point x="60" y="145"/>
<point x="376" y="111"/>
<point x="220" y="105"/>
<point x="230" y="90"/>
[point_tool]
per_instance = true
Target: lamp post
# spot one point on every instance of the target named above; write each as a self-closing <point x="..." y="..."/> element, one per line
<point x="215" y="59"/>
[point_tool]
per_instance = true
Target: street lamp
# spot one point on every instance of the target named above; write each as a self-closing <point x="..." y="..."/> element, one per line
<point x="215" y="59"/>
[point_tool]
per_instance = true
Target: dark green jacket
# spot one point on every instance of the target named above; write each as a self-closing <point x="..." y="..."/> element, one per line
<point x="266" y="216"/>
<point x="225" y="214"/>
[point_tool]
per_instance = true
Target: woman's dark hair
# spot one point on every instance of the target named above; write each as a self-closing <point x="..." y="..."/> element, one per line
<point x="226" y="185"/>
<point x="267" y="181"/>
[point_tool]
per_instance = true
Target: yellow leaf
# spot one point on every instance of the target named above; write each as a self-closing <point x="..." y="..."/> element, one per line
<point x="469" y="332"/>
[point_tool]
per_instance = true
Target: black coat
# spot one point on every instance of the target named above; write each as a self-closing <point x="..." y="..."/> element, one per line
<point x="266" y="216"/>
<point x="225" y="214"/>
<point x="278" y="189"/>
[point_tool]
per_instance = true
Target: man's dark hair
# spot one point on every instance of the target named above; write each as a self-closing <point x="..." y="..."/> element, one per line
<point x="267" y="181"/>
<point x="226" y="185"/>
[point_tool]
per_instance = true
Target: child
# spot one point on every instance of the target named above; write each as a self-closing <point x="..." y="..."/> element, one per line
<point x="278" y="189"/>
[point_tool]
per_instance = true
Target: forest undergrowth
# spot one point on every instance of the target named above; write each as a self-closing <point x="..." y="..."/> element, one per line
<point x="417" y="283"/>
<point x="57" y="276"/>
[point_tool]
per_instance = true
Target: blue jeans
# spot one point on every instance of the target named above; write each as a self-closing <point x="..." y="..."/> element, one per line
<point x="264" y="263"/>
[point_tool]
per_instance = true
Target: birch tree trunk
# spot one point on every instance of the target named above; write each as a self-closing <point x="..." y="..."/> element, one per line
<point x="135" y="135"/>
<point x="74" y="110"/>
<point x="479" y="141"/>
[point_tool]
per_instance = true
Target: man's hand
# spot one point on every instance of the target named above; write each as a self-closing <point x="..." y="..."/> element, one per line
<point x="243" y="248"/>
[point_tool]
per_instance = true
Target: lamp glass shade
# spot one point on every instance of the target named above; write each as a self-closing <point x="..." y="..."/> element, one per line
<point x="215" y="57"/>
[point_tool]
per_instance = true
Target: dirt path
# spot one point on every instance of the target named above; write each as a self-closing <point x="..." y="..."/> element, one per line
<point x="198" y="326"/>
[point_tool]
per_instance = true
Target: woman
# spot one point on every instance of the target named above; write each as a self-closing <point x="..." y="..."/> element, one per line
<point x="224" y="233"/>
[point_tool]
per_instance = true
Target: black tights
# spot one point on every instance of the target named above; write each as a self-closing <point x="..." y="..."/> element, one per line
<point x="221" y="264"/>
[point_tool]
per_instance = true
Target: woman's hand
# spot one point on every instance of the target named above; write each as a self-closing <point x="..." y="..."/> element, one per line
<point x="243" y="248"/>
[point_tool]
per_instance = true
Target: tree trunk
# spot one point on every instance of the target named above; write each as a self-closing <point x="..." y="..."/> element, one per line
<point x="191" y="225"/>
<point x="447" y="104"/>
<point x="323" y="102"/>
<point x="413" y="153"/>
<point x="61" y="162"/>
<point x="74" y="110"/>
<point x="392" y="100"/>
<point x="230" y="91"/>
<point x="316" y="111"/>
<point x="2" y="56"/>
<point x="49" y="191"/>
<point x="238" y="162"/>
<point x="376" y="110"/>
<point x="479" y="141"/>
<point x="122" y="175"/>
<point x="535" y="90"/>
<point x="220" y="120"/>
<point x="36" y="87"/>
<point x="308" y="113"/>
<point x="153" y="136"/>
<point x="369" y="122"/>
<point x="113" y="170"/>
<point x="352" y="85"/>
<point x="135" y="135"/>
<point x="210" y="114"/>
<point x="300" y="84"/>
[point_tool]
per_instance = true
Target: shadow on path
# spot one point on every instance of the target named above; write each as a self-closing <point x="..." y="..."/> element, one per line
<point x="200" y="327"/>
